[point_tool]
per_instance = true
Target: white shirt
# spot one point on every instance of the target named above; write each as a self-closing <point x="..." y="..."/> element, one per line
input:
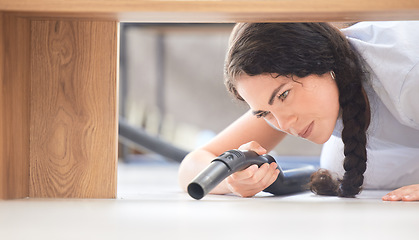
<point x="391" y="50"/>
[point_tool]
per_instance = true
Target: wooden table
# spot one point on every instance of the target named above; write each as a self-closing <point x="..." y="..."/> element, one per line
<point x="59" y="80"/>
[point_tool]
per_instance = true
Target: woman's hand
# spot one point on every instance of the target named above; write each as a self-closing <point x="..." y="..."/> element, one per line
<point x="253" y="179"/>
<point x="406" y="193"/>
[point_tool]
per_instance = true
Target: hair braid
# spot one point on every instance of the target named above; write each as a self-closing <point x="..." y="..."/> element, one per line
<point x="354" y="138"/>
<point x="302" y="49"/>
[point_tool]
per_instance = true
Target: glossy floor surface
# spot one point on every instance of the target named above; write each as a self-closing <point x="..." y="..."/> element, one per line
<point x="150" y="205"/>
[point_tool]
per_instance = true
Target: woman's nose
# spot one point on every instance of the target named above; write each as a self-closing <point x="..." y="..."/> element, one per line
<point x="286" y="122"/>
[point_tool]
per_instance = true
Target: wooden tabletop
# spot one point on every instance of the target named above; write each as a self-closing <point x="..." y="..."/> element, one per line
<point x="219" y="10"/>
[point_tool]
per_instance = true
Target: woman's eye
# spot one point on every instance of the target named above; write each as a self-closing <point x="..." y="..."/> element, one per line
<point x="262" y="114"/>
<point x="284" y="95"/>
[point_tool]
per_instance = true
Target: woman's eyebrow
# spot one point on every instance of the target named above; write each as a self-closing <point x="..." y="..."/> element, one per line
<point x="274" y="93"/>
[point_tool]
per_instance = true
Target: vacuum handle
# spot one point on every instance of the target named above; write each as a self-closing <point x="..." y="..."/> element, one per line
<point x="237" y="160"/>
<point x="223" y="166"/>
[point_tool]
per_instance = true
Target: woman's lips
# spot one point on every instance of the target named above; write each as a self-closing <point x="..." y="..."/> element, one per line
<point x="307" y="131"/>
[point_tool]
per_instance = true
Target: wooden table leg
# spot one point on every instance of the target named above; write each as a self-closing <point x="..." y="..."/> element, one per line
<point x="58" y="108"/>
<point x="14" y="106"/>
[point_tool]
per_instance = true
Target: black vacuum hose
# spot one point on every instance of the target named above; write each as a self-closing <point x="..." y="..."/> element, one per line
<point x="143" y="140"/>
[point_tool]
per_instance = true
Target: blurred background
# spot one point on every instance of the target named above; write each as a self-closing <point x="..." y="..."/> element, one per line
<point x="171" y="86"/>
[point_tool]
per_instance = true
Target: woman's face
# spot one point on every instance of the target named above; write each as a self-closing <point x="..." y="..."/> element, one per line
<point x="306" y="107"/>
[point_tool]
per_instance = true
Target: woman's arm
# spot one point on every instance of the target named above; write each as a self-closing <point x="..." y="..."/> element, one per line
<point x="246" y="129"/>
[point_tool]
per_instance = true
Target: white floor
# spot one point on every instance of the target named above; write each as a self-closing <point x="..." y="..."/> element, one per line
<point x="151" y="206"/>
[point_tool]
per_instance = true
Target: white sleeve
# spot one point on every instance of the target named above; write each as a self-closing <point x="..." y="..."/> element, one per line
<point x="409" y="97"/>
<point x="391" y="49"/>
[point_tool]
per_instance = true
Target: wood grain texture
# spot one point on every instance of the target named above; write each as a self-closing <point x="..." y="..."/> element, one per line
<point x="15" y="106"/>
<point x="2" y="135"/>
<point x="74" y="109"/>
<point x="222" y="10"/>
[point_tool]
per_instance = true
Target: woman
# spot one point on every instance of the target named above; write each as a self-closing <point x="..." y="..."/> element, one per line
<point x="356" y="91"/>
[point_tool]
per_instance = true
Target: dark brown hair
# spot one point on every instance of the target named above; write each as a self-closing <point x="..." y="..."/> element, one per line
<point x="302" y="49"/>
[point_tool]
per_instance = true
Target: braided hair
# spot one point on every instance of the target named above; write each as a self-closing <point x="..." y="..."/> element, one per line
<point x="302" y="49"/>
